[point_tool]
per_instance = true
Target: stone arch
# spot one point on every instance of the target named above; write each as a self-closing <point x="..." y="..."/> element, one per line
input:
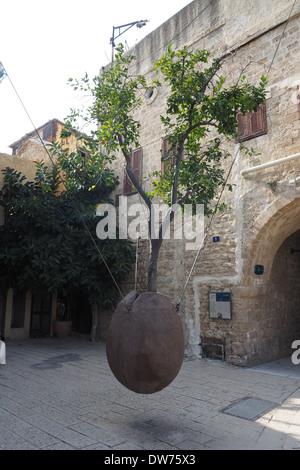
<point x="274" y="225"/>
<point x="271" y="302"/>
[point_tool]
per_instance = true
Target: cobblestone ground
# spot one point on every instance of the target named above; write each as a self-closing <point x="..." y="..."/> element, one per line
<point x="60" y="394"/>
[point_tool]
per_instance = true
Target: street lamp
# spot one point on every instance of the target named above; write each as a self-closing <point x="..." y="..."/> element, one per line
<point x="122" y="29"/>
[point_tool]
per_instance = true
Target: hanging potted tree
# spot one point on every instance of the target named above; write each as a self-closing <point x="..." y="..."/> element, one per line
<point x="200" y="114"/>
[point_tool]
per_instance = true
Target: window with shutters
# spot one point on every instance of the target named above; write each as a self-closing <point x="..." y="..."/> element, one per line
<point x="166" y="162"/>
<point x="168" y="159"/>
<point x="252" y="124"/>
<point x="136" y="159"/>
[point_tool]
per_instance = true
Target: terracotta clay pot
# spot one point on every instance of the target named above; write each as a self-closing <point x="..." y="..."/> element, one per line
<point x="62" y="328"/>
<point x="145" y="345"/>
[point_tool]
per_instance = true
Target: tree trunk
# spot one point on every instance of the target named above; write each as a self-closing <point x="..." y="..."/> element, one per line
<point x="152" y="265"/>
<point x="155" y="248"/>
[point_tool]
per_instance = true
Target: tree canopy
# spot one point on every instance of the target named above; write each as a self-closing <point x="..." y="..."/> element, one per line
<point x="49" y="238"/>
<point x="200" y="115"/>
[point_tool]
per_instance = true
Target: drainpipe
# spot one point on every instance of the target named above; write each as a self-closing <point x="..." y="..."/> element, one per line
<point x="268" y="165"/>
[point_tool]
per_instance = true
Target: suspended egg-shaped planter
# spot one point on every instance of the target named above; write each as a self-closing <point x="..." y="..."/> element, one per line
<point x="145" y="345"/>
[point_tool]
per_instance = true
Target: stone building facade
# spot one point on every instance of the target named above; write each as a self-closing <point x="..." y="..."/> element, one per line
<point x="261" y="225"/>
<point x="32" y="146"/>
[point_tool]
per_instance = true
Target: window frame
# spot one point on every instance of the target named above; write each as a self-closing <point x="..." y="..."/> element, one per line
<point x="245" y="122"/>
<point x="136" y="159"/>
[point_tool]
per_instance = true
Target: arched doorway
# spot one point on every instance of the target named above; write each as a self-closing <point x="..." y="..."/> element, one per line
<point x="282" y="324"/>
<point x="274" y="315"/>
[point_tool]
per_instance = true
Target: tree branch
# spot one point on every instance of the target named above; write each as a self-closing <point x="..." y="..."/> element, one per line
<point x="194" y="102"/>
<point x="180" y="153"/>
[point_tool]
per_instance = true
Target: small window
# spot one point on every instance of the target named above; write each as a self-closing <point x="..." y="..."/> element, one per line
<point x="149" y="93"/>
<point x="252" y="124"/>
<point x="136" y="159"/>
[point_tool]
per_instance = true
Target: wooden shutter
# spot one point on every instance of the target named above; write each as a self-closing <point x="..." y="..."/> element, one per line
<point x="164" y="151"/>
<point x="127" y="187"/>
<point x="136" y="159"/>
<point x="252" y="124"/>
<point x="243" y="128"/>
<point x="166" y="163"/>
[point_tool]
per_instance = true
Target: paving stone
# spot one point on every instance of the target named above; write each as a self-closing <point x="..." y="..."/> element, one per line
<point x="250" y="408"/>
<point x="80" y="405"/>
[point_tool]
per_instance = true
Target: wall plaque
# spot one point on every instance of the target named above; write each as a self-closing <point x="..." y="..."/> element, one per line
<point x="220" y="305"/>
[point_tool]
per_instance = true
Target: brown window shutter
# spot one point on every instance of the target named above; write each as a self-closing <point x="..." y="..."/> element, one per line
<point x="136" y="162"/>
<point x="256" y="121"/>
<point x="136" y="159"/>
<point x="127" y="185"/>
<point x="252" y="124"/>
<point x="165" y="148"/>
<point x="259" y="121"/>
<point x="164" y="151"/>
<point x="243" y="126"/>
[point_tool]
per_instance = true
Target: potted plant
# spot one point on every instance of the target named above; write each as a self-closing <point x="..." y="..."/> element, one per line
<point x="63" y="322"/>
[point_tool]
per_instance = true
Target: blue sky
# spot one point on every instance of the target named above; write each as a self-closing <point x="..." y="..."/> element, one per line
<point x="45" y="43"/>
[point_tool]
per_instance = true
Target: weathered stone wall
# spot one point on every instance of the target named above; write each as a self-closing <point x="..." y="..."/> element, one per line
<point x="33" y="149"/>
<point x="263" y="210"/>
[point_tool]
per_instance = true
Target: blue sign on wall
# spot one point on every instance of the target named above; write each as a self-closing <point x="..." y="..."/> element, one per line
<point x="223" y="297"/>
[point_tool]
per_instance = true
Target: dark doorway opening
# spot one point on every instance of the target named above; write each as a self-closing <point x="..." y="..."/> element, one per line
<point x="81" y="313"/>
<point x="18" y="312"/>
<point x="281" y="319"/>
<point x="40" y="315"/>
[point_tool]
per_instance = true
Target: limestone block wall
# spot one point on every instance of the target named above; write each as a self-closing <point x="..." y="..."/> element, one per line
<point x="33" y="150"/>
